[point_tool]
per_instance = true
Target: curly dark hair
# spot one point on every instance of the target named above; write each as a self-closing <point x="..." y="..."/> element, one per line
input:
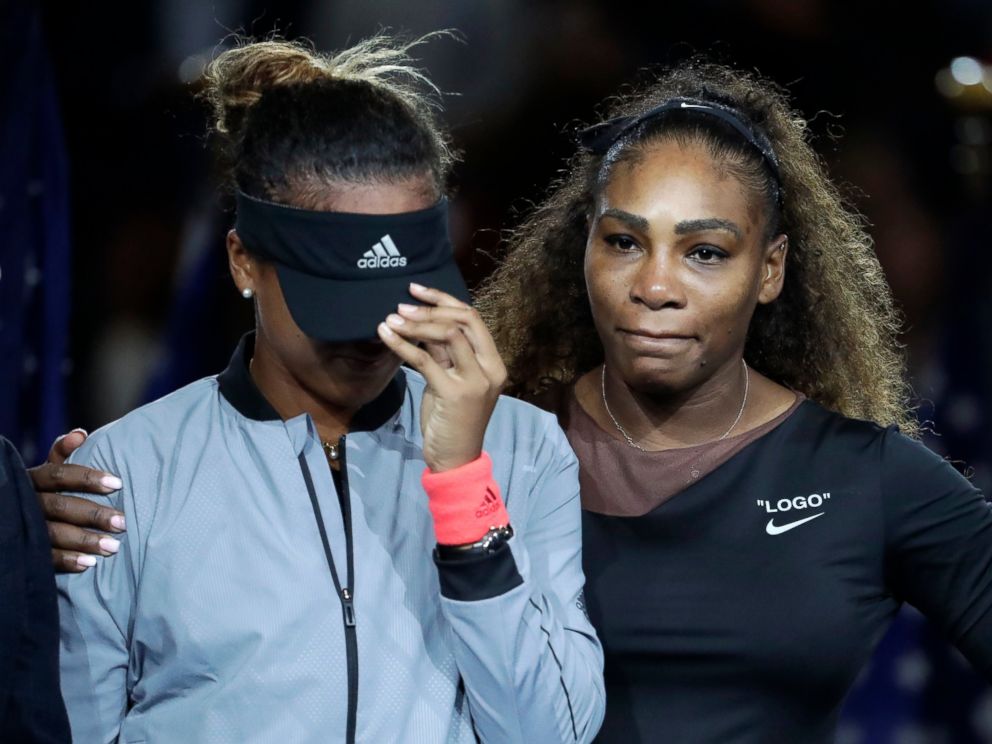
<point x="830" y="335"/>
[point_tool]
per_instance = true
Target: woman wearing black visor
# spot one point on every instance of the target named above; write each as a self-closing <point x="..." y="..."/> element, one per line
<point x="320" y="545"/>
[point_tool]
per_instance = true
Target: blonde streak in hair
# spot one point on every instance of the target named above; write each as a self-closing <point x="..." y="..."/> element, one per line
<point x="237" y="78"/>
<point x="386" y="61"/>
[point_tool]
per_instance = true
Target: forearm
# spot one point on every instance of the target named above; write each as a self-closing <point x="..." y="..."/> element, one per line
<point x="532" y="668"/>
<point x="529" y="658"/>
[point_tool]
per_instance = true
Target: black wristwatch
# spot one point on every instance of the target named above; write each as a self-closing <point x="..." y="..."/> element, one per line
<point x="487" y="545"/>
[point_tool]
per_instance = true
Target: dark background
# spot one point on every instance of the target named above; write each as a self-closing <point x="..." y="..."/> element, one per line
<point x="152" y="307"/>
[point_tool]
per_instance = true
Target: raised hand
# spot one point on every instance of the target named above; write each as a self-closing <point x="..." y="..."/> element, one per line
<point x="463" y="370"/>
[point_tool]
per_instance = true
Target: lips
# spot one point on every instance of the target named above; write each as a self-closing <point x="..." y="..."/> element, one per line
<point x="358" y="359"/>
<point x="656" y="343"/>
<point x="659" y="335"/>
<point x="362" y="352"/>
<point x="365" y="360"/>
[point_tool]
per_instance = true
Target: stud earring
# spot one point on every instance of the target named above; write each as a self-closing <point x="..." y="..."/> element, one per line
<point x="247" y="293"/>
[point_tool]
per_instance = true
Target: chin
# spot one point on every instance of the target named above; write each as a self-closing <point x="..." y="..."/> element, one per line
<point x="347" y="383"/>
<point x="661" y="376"/>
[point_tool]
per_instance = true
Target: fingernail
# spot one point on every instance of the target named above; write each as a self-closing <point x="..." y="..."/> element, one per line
<point x="394" y="320"/>
<point x="85" y="561"/>
<point x="81" y="431"/>
<point x="117" y="522"/>
<point x="109" y="545"/>
<point x="404" y="308"/>
<point x="386" y="330"/>
<point x="112" y="482"/>
<point x="415" y="286"/>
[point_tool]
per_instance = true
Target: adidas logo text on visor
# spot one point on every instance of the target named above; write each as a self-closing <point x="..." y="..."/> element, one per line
<point x="383" y="254"/>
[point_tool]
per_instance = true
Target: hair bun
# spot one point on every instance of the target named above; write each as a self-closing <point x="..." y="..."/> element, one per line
<point x="236" y="79"/>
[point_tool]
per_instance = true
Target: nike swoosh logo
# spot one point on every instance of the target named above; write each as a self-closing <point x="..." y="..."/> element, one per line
<point x="771" y="529"/>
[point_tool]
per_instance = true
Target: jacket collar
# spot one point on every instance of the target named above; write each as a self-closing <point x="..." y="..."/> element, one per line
<point x="239" y="389"/>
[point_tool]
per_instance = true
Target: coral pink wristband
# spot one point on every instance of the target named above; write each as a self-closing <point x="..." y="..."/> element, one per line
<point x="465" y="502"/>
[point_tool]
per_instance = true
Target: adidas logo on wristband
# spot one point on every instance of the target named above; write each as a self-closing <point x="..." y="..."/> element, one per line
<point x="489" y="505"/>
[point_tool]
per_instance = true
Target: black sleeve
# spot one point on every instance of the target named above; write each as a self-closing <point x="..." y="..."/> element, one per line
<point x="471" y="577"/>
<point x="31" y="707"/>
<point x="939" y="544"/>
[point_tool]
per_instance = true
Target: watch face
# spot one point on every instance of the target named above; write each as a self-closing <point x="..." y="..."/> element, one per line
<point x="496" y="537"/>
<point x="489" y="543"/>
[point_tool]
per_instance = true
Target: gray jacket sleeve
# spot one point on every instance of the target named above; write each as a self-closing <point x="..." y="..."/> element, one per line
<point x="95" y="610"/>
<point x="527" y="653"/>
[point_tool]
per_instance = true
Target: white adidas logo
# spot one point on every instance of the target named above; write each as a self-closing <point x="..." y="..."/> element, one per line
<point x="383" y="254"/>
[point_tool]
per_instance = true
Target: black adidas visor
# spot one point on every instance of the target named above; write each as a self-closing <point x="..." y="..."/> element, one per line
<point x="342" y="273"/>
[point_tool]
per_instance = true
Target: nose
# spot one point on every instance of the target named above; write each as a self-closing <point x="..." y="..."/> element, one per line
<point x="657" y="284"/>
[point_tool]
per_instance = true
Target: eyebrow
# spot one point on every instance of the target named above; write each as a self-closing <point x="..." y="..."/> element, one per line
<point x="633" y="220"/>
<point x="682" y="228"/>
<point x="711" y="223"/>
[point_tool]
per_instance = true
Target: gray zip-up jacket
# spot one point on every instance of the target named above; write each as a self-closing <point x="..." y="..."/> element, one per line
<point x="256" y="600"/>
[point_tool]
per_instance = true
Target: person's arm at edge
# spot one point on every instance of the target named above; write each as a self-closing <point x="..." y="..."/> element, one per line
<point x="32" y="709"/>
<point x="939" y="545"/>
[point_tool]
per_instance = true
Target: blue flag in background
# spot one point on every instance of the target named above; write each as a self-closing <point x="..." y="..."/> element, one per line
<point x="34" y="238"/>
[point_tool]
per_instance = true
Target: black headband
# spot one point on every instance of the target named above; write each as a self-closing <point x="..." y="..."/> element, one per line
<point x="599" y="138"/>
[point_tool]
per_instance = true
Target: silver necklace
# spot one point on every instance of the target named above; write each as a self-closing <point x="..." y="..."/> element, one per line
<point x="635" y="445"/>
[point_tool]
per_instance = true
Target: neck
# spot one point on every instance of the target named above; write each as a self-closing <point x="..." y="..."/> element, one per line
<point x="285" y="393"/>
<point x="661" y="420"/>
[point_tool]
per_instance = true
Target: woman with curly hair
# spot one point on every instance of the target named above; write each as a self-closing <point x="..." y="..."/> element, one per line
<point x="713" y="330"/>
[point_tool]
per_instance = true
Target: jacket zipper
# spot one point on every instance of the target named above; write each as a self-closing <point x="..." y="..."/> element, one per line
<point x="347" y="591"/>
